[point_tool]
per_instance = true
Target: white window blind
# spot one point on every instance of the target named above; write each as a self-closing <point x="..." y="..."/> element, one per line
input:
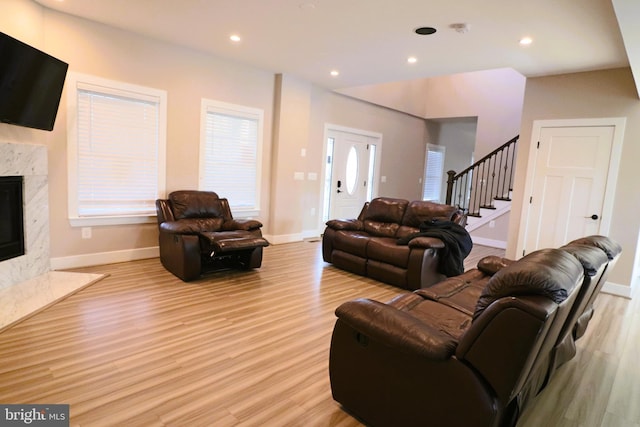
<point x="433" y="172"/>
<point x="118" y="143"/>
<point x="230" y="154"/>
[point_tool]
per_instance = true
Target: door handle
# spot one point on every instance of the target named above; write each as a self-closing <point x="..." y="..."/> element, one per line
<point x="593" y="217"/>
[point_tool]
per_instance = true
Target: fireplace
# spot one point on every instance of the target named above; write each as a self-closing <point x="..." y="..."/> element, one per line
<point x="11" y="217"/>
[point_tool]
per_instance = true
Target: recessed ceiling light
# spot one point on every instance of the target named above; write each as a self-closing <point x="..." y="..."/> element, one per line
<point x="424" y="31"/>
<point x="235" y="38"/>
<point x="525" y="41"/>
<point x="412" y="60"/>
<point x="335" y="73"/>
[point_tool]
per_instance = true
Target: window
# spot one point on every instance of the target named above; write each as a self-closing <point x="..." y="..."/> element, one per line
<point x="433" y="172"/>
<point x="116" y="151"/>
<point x="352" y="170"/>
<point x="230" y="154"/>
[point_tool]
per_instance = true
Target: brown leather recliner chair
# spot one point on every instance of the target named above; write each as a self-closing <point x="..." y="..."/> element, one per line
<point x="198" y="234"/>
<point x="425" y="358"/>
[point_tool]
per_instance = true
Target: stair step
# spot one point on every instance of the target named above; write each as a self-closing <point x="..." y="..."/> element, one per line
<point x="487" y="207"/>
<point x="504" y="199"/>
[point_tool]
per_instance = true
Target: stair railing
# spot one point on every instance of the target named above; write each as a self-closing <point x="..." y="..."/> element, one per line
<point x="488" y="179"/>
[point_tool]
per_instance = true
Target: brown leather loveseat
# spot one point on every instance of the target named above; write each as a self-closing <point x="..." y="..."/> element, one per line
<point x="369" y="245"/>
<point x="197" y="234"/>
<point x="472" y="350"/>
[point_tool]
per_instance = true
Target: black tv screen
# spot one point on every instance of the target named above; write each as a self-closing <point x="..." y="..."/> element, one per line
<point x="31" y="83"/>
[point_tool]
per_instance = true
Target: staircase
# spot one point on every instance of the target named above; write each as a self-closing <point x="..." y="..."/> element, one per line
<point x="483" y="190"/>
<point x="500" y="207"/>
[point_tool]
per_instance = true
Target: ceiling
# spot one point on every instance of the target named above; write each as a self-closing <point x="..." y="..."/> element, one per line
<point x="369" y="41"/>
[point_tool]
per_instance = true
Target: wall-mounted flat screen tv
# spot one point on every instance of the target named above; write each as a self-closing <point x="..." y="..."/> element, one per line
<point x="31" y="83"/>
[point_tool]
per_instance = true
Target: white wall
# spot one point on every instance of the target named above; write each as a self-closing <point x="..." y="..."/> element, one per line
<point x="598" y="94"/>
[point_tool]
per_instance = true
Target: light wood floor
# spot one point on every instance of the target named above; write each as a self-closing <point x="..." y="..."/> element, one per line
<point x="142" y="348"/>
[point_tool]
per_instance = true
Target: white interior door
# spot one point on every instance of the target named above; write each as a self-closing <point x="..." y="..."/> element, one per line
<point x="350" y="174"/>
<point x="569" y="185"/>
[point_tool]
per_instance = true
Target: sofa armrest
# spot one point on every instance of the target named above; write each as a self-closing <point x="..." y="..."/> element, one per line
<point x="492" y="264"/>
<point x="241" y="224"/>
<point x="396" y="329"/>
<point x="346" y="224"/>
<point x="180" y="254"/>
<point x="191" y="225"/>
<point x="163" y="211"/>
<point x="426" y="242"/>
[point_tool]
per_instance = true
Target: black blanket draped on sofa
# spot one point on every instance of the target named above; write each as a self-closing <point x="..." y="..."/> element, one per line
<point x="457" y="244"/>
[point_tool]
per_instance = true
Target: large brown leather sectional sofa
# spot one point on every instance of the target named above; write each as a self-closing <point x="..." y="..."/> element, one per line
<point x="368" y="245"/>
<point x="471" y="350"/>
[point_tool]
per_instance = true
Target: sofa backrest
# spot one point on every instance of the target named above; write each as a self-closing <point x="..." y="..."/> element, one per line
<point x="383" y="216"/>
<point x="594" y="262"/>
<point x="612" y="250"/>
<point x="419" y="211"/>
<point x="610" y="247"/>
<point x="188" y="204"/>
<point x="518" y="318"/>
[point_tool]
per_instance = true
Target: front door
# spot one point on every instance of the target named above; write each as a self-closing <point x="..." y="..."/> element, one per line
<point x="569" y="185"/>
<point x="350" y="158"/>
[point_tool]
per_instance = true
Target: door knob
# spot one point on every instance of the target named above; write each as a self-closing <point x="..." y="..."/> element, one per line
<point x="593" y="217"/>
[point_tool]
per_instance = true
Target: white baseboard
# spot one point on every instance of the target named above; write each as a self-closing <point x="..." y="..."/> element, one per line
<point x="618" y="290"/>
<point x="284" y="238"/>
<point x="311" y="234"/>
<point x="100" y="258"/>
<point x="489" y="242"/>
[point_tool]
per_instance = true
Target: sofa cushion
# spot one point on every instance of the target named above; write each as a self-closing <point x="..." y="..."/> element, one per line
<point x="552" y="273"/>
<point x="386" y="209"/>
<point x="419" y="211"/>
<point x="459" y="292"/>
<point x="196" y="204"/>
<point x="447" y="319"/>
<point x="381" y="229"/>
<point x="353" y="242"/>
<point x="385" y="249"/>
<point x="383" y="216"/>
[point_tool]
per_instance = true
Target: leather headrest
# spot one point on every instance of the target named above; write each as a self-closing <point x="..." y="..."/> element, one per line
<point x="419" y="211"/>
<point x="552" y="273"/>
<point x="386" y="209"/>
<point x="195" y="204"/>
<point x="608" y="245"/>
<point x="591" y="257"/>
